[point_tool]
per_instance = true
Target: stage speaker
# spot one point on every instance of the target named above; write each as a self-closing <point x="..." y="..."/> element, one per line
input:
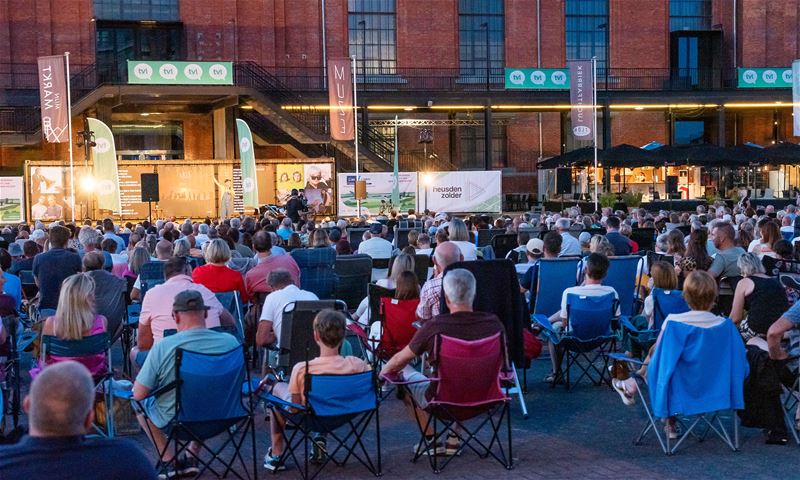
<point x="672" y="184"/>
<point x="563" y="181"/>
<point x="149" y="187"/>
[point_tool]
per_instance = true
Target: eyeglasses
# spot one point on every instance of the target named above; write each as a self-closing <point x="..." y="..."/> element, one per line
<point x="316" y="177"/>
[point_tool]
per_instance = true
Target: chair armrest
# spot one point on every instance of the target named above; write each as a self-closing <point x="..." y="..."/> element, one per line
<point x="279" y="402"/>
<point x="621" y="357"/>
<point x="397" y="379"/>
<point x="358" y="330"/>
<point x="542" y="320"/>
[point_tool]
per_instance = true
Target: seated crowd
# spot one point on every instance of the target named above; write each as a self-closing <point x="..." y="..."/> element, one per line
<point x="735" y="262"/>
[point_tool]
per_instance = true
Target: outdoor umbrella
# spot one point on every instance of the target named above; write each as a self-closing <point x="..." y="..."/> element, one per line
<point x="669" y="156"/>
<point x="747" y="154"/>
<point x="581" y="155"/>
<point x="626" y="156"/>
<point x="783" y="153"/>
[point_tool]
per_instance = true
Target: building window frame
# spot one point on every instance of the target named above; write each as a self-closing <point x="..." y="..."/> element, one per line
<point x="137" y="10"/>
<point x="475" y="17"/>
<point x="586" y="30"/>
<point x="372" y="32"/>
<point x="689" y="15"/>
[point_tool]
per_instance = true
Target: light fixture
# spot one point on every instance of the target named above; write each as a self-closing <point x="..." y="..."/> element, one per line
<point x="427" y="179"/>
<point x="246" y="107"/>
<point x="144" y="114"/>
<point x="88" y="183"/>
<point x="408" y="109"/>
<point x="638" y="108"/>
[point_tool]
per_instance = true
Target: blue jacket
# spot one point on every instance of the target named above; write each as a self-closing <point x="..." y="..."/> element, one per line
<point x="697" y="370"/>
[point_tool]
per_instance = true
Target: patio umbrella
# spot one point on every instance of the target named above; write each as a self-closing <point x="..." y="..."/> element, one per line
<point x="669" y="156"/>
<point x="748" y="154"/>
<point x="626" y="156"/>
<point x="569" y="159"/>
<point x="783" y="153"/>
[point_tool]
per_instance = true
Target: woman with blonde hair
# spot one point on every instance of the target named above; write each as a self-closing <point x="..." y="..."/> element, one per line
<point x="319" y="239"/>
<point x="75" y="319"/>
<point x="461" y="236"/>
<point x="215" y="274"/>
<point x="402" y="263"/>
<point x="762" y="296"/>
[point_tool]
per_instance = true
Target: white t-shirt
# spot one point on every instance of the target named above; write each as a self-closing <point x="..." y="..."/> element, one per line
<point x="277" y="301"/>
<point x="697" y="318"/>
<point x="468" y="250"/>
<point x="587" y="290"/>
<point x="755" y="244"/>
<point x="376" y="247"/>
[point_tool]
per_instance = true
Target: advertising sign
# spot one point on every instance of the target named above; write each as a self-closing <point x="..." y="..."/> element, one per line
<point x="474" y="191"/>
<point x="106" y="187"/>
<point x="53" y="94"/>
<point x="765" y="77"/>
<point x="249" y="181"/>
<point x="51" y="195"/>
<point x="379" y="193"/>
<point x="180" y="73"/>
<point x="537" y="78"/>
<point x="340" y="99"/>
<point x="290" y="176"/>
<point x="581" y="97"/>
<point x="319" y="188"/>
<point x="796" y="98"/>
<point x="130" y="190"/>
<point x="12" y="200"/>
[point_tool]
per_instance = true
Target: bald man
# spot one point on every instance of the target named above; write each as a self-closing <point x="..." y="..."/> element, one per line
<point x="60" y="408"/>
<point x="163" y="253"/>
<point x="446" y="254"/>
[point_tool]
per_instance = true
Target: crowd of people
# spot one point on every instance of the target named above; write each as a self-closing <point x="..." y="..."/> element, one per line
<point x="84" y="276"/>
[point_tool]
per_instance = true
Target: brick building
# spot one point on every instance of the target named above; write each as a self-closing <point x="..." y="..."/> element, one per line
<point x="666" y="73"/>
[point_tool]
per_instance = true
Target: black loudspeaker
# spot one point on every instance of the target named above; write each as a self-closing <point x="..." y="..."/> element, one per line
<point x="563" y="181"/>
<point x="149" y="187"/>
<point x="672" y="184"/>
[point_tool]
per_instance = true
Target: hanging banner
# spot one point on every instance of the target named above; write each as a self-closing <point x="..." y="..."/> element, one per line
<point x="180" y="73"/>
<point x="580" y="96"/>
<point x="12" y="200"/>
<point x="340" y="99"/>
<point x="106" y="177"/>
<point x="379" y="193"/>
<point x="537" y="78"/>
<point x="462" y="192"/>
<point x="53" y="98"/>
<point x="248" y="159"/>
<point x="765" y="77"/>
<point x="796" y="97"/>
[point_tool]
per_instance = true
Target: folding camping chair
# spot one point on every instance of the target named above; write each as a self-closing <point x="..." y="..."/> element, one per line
<point x="589" y="332"/>
<point x="233" y="304"/>
<point x="353" y="273"/>
<point x="665" y="302"/>
<point x="104" y="383"/>
<point x="695" y="375"/>
<point x="466" y="385"/>
<point x="10" y="386"/>
<point x="341" y="407"/>
<point x="623" y="275"/>
<point x="316" y="270"/>
<point x="297" y="331"/>
<point x="644" y="237"/>
<point x="397" y="319"/>
<point x="502" y="244"/>
<point x="199" y="417"/>
<point x="150" y="275"/>
<point x="130" y="323"/>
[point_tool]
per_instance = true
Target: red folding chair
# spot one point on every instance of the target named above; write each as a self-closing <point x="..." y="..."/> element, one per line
<point x="397" y="319"/>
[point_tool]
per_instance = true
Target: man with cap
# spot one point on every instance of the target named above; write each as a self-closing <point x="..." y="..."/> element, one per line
<point x="189" y="312"/>
<point x="377" y="246"/>
<point x="22" y="256"/>
<point x="534" y="250"/>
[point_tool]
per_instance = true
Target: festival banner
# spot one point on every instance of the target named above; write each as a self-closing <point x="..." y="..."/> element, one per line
<point x="796" y="97"/>
<point x="461" y="192"/>
<point x="580" y="96"/>
<point x="12" y="200"/>
<point x="53" y="98"/>
<point x="179" y="73"/>
<point x="106" y="178"/>
<point x="379" y="193"/>
<point x="248" y="159"/>
<point x="290" y="176"/>
<point x="340" y="99"/>
<point x="51" y="194"/>
<point x="319" y="188"/>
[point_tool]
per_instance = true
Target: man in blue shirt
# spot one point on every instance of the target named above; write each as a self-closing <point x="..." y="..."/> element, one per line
<point x="53" y="266"/>
<point x="621" y="243"/>
<point x="60" y="410"/>
<point x="108" y="232"/>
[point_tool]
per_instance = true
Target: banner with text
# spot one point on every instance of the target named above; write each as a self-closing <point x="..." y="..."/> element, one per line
<point x="180" y="73"/>
<point x="537" y="78"/>
<point x="581" y="98"/>
<point x="340" y="99"/>
<point x="467" y="192"/>
<point x="379" y="193"/>
<point x="248" y="162"/>
<point x="12" y="200"/>
<point x="796" y="98"/>
<point x="53" y="97"/>
<point x="106" y="179"/>
<point x="765" y="77"/>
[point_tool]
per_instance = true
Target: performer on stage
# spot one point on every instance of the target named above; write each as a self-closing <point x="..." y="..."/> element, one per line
<point x="226" y="198"/>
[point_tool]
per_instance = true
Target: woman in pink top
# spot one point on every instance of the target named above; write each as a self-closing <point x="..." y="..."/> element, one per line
<point x="75" y="319"/>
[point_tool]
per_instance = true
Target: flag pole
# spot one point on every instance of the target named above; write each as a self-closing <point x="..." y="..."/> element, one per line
<point x="594" y="125"/>
<point x="355" y="125"/>
<point x="69" y="139"/>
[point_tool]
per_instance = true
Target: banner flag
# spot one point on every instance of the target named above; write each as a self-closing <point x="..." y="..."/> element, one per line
<point x="106" y="175"/>
<point x="53" y="97"/>
<point x="248" y="158"/>
<point x="580" y="96"/>
<point x="796" y="97"/>
<point x="340" y="99"/>
<point x="395" y="171"/>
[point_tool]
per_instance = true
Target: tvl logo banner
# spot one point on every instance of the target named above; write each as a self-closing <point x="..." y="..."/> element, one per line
<point x="180" y="73"/>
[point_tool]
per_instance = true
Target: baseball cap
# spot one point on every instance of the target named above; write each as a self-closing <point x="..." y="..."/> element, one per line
<point x="376" y="228"/>
<point x="188" y="301"/>
<point x="535" y="245"/>
<point x="584" y="237"/>
<point x="15" y="249"/>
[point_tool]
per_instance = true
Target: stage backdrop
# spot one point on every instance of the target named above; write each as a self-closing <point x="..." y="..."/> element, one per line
<point x="12" y="200"/>
<point x="379" y="193"/>
<point x="50" y="193"/>
<point x="187" y="191"/>
<point x="472" y="191"/>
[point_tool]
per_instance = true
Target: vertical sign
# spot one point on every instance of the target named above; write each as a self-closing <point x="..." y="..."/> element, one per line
<point x="53" y="95"/>
<point x="796" y="97"/>
<point x="248" y="159"/>
<point x="340" y="99"/>
<point x="580" y="96"/>
<point x="106" y="175"/>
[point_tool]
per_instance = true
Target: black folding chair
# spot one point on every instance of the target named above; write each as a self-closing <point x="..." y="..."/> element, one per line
<point x="354" y="273"/>
<point x="297" y="331"/>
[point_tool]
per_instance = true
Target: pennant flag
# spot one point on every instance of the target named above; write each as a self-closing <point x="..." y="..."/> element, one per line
<point x="396" y="173"/>
<point x="248" y="158"/>
<point x="340" y="99"/>
<point x="105" y="167"/>
<point x="53" y="98"/>
<point x="580" y="95"/>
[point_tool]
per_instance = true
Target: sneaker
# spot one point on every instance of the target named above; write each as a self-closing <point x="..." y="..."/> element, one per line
<point x="273" y="462"/>
<point x="438" y="450"/>
<point x="620" y="386"/>
<point x="452" y="445"/>
<point x="553" y="378"/>
<point x="790" y="282"/>
<point x="671" y="431"/>
<point x="319" y="449"/>
<point x="187" y="465"/>
<point x="167" y="470"/>
<point x="775" y="437"/>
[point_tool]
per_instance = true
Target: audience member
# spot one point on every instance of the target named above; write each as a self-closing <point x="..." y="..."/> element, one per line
<point x="108" y="292"/>
<point x="725" y="261"/>
<point x="53" y="266"/>
<point x="215" y="275"/>
<point x="284" y="292"/>
<point x="446" y="254"/>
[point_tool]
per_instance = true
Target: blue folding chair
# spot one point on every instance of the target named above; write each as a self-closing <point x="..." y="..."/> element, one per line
<point x="199" y="417"/>
<point x="130" y="323"/>
<point x="150" y="275"/>
<point x="623" y="275"/>
<point x="559" y="274"/>
<point x="316" y="270"/>
<point x="589" y="331"/>
<point x="696" y="376"/>
<point x="338" y="406"/>
<point x="232" y="303"/>
<point x="665" y="302"/>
